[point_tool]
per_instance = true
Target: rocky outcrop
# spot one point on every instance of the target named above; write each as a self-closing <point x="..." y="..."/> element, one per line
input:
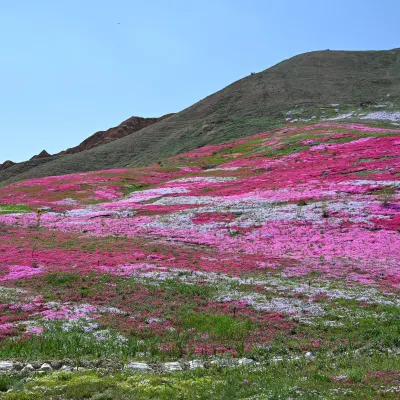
<point x="127" y="127"/>
<point x="42" y="154"/>
<point x="6" y="164"/>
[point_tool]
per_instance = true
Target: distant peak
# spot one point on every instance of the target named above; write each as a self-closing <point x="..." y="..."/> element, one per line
<point x="42" y="154"/>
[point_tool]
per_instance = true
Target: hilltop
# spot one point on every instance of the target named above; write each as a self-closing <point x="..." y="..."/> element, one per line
<point x="316" y="84"/>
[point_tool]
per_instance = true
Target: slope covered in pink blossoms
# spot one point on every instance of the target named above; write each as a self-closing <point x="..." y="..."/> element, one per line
<point x="283" y="243"/>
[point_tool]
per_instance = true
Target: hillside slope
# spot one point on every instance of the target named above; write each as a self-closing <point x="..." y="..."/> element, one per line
<point x="125" y="128"/>
<point x="255" y="103"/>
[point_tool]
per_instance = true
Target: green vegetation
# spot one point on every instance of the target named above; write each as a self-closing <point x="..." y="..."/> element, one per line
<point x="14" y="208"/>
<point x="328" y="377"/>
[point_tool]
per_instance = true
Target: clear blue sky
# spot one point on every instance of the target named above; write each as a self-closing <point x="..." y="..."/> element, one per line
<point x="72" y="67"/>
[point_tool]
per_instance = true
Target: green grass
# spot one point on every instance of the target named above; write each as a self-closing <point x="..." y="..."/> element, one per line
<point x="14" y="208"/>
<point x="300" y="379"/>
<point x="219" y="326"/>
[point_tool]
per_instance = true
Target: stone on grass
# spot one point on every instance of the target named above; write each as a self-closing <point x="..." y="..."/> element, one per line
<point x="221" y="363"/>
<point x="138" y="366"/>
<point x="194" y="364"/>
<point x="45" y="368"/>
<point x="246" y="361"/>
<point x="310" y="355"/>
<point x="172" y="366"/>
<point x="6" y="365"/>
<point x="28" y="368"/>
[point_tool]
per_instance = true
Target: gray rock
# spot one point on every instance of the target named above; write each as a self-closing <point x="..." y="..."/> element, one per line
<point x="172" y="366"/>
<point x="28" y="368"/>
<point x="45" y="368"/>
<point x="152" y="320"/>
<point x="310" y="355"/>
<point x="138" y="366"/>
<point x="246" y="361"/>
<point x="65" y="368"/>
<point x="194" y="364"/>
<point x="221" y="363"/>
<point x="6" y="365"/>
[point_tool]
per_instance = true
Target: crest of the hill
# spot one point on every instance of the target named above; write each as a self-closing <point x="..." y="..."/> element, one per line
<point x="253" y="104"/>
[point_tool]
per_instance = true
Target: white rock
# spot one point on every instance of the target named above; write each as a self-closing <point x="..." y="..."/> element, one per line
<point x="194" y="364"/>
<point x="28" y="368"/>
<point x="65" y="368"/>
<point x="222" y="363"/>
<point x="172" y="366"/>
<point x="138" y="366"/>
<point x="45" y="367"/>
<point x="246" y="361"/>
<point x="6" y="365"/>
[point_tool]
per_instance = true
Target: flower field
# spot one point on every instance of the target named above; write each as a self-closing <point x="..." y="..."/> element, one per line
<point x="276" y="255"/>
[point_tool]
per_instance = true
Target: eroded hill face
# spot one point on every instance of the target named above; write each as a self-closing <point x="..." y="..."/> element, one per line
<point x="127" y="127"/>
<point x="256" y="103"/>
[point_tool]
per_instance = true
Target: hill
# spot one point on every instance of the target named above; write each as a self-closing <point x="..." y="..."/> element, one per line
<point x="310" y="82"/>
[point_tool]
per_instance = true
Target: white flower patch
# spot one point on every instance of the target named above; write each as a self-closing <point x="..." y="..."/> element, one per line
<point x="66" y="201"/>
<point x="310" y="212"/>
<point x="206" y="179"/>
<point x="137" y="197"/>
<point x="223" y="169"/>
<point x="107" y="335"/>
<point x="341" y="116"/>
<point x="361" y="182"/>
<point x="253" y="212"/>
<point x="284" y="305"/>
<point x="278" y="285"/>
<point x="393" y="116"/>
<point x="197" y="200"/>
<point x="83" y="212"/>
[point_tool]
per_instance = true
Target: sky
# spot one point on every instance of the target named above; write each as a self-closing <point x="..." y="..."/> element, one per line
<point x="70" y="68"/>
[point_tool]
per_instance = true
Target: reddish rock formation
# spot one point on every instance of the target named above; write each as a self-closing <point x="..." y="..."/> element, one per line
<point x="43" y="154"/>
<point x="127" y="127"/>
<point x="6" y="164"/>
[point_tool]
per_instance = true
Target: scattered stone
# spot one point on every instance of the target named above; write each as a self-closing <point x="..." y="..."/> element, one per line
<point x="28" y="368"/>
<point x="172" y="366"/>
<point x="45" y="368"/>
<point x="6" y="365"/>
<point x="194" y="364"/>
<point x="138" y="366"/>
<point x="65" y="368"/>
<point x="246" y="361"/>
<point x="221" y="363"/>
<point x="152" y="320"/>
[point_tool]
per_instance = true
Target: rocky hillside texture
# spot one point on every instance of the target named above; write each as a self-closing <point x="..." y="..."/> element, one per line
<point x="6" y="164"/>
<point x="127" y="127"/>
<point x="267" y="267"/>
<point x="261" y="101"/>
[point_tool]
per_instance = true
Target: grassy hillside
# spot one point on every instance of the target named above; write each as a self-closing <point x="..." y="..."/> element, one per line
<point x="253" y="104"/>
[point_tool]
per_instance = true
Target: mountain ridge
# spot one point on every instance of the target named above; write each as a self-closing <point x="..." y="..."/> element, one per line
<point x="255" y="103"/>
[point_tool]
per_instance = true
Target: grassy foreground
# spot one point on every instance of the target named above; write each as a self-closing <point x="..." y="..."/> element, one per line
<point x="327" y="377"/>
